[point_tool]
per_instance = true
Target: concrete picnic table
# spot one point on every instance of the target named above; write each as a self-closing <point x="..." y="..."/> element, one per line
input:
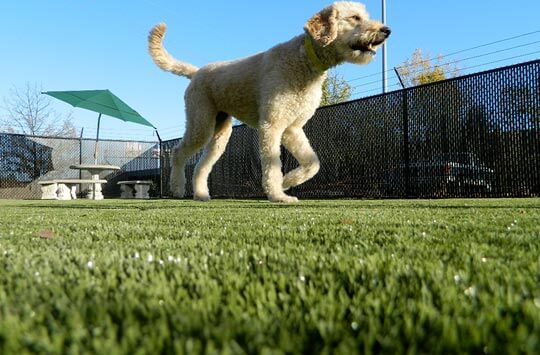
<point x="94" y="169"/>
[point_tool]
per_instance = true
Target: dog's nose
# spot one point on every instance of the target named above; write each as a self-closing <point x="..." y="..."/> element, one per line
<point x="386" y="31"/>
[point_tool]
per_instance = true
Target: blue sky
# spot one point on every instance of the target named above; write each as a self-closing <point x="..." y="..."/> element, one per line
<point x="80" y="45"/>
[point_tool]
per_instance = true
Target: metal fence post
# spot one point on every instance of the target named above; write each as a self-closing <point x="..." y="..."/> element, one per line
<point x="406" y="157"/>
<point x="80" y="151"/>
<point x="160" y="169"/>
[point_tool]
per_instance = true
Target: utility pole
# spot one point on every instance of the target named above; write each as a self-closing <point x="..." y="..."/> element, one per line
<point x="384" y="76"/>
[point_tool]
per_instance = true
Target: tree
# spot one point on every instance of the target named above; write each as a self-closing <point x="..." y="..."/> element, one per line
<point x="519" y="107"/>
<point x="29" y="112"/>
<point x="421" y="69"/>
<point x="433" y="121"/>
<point x="335" y="89"/>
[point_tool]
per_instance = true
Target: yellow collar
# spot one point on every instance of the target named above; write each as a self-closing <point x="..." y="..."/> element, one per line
<point x="308" y="45"/>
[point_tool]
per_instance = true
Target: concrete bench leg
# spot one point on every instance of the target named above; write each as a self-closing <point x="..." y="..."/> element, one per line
<point x="63" y="192"/>
<point x="127" y="191"/>
<point x="48" y="192"/>
<point x="141" y="191"/>
<point x="72" y="191"/>
<point x="95" y="195"/>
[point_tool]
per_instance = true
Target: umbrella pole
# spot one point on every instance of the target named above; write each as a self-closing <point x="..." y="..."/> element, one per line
<point x="97" y="139"/>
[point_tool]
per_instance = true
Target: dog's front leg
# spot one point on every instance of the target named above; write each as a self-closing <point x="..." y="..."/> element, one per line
<point x="272" y="178"/>
<point x="296" y="142"/>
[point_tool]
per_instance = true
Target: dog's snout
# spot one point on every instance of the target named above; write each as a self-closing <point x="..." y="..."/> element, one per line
<point x="386" y="30"/>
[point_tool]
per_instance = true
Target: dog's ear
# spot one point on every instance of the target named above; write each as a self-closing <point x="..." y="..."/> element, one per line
<point x="322" y="27"/>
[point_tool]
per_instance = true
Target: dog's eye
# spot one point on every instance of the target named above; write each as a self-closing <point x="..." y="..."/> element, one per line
<point x="356" y="18"/>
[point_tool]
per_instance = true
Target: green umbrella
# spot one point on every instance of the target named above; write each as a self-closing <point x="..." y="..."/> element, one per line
<point x="103" y="102"/>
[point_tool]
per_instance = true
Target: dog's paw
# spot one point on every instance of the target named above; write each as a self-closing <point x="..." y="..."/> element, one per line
<point x="283" y="199"/>
<point x="201" y="197"/>
<point x="177" y="193"/>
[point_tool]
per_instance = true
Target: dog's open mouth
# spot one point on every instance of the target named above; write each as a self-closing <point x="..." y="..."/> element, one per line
<point x="366" y="47"/>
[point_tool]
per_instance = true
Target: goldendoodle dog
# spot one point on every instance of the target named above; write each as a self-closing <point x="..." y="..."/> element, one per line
<point x="276" y="92"/>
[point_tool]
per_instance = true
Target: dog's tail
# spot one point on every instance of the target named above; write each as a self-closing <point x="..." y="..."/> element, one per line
<point x="162" y="58"/>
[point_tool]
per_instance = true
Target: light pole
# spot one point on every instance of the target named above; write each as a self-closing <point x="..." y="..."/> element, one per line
<point x="384" y="76"/>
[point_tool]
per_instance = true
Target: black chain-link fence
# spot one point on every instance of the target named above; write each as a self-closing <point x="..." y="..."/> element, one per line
<point x="473" y="136"/>
<point x="25" y="160"/>
<point x="477" y="135"/>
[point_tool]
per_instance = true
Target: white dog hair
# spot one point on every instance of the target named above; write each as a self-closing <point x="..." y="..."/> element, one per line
<point x="276" y="92"/>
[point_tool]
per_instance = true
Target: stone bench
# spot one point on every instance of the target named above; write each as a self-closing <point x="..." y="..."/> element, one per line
<point x="135" y="188"/>
<point x="64" y="189"/>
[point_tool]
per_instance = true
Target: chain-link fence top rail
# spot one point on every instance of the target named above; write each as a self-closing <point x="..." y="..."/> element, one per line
<point x="25" y="160"/>
<point x="477" y="135"/>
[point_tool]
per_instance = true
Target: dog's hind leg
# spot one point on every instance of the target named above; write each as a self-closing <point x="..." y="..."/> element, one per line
<point x="177" y="177"/>
<point x="213" y="151"/>
<point x="199" y="129"/>
<point x="296" y="142"/>
<point x="180" y="155"/>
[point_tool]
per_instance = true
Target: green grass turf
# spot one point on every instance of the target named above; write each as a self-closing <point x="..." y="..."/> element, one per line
<point x="164" y="276"/>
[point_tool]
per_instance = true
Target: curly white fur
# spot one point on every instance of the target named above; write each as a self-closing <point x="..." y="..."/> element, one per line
<point x="276" y="91"/>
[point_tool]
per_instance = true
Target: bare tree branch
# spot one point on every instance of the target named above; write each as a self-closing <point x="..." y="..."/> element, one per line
<point x="30" y="112"/>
